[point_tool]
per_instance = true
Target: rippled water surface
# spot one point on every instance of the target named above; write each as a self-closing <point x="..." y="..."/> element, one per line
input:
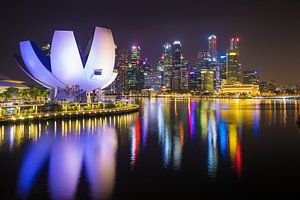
<point x="171" y="149"/>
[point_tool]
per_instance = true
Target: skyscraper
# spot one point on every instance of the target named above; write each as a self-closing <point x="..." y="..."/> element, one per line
<point x="222" y="67"/>
<point x="184" y="79"/>
<point x="235" y="43"/>
<point x="208" y="80"/>
<point x="176" y="66"/>
<point x="164" y="66"/>
<point x="135" y="71"/>
<point x="177" y="55"/>
<point x="135" y="54"/>
<point x="207" y="68"/>
<point x="212" y="47"/>
<point x="194" y="78"/>
<point x="233" y="74"/>
<point x="251" y="77"/>
<point x="121" y="82"/>
<point x="203" y="59"/>
<point x="152" y="78"/>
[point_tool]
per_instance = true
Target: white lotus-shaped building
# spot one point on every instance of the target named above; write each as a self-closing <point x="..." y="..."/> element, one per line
<point x="66" y="67"/>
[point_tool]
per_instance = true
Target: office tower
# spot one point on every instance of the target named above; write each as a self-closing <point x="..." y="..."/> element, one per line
<point x="121" y="82"/>
<point x="135" y="71"/>
<point x="184" y="80"/>
<point x="168" y="53"/>
<point x="203" y="59"/>
<point x="251" y="77"/>
<point x="208" y="80"/>
<point x="235" y="43"/>
<point x="223" y="67"/>
<point x="207" y="68"/>
<point x="194" y="79"/>
<point x="177" y="54"/>
<point x="234" y="73"/>
<point x="164" y="66"/>
<point x="176" y="66"/>
<point x="152" y="78"/>
<point x="212" y="47"/>
<point x="135" y="54"/>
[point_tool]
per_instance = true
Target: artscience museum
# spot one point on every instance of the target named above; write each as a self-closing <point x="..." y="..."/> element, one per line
<point x="66" y="71"/>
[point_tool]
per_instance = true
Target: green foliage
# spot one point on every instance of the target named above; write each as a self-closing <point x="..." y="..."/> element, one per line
<point x="34" y="92"/>
<point x="110" y="105"/>
<point x="72" y="107"/>
<point x="28" y="111"/>
<point x="98" y="106"/>
<point x="54" y="108"/>
<point x="88" y="107"/>
<point x="12" y="93"/>
<point x="37" y="93"/>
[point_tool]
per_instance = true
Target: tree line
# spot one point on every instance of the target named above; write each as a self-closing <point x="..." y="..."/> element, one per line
<point x="32" y="93"/>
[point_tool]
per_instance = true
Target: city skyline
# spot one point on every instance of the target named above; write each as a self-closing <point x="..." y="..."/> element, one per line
<point x="152" y="99"/>
<point x="263" y="31"/>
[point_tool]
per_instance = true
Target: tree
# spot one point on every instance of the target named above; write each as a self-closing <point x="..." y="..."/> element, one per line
<point x="37" y="93"/>
<point x="12" y="93"/>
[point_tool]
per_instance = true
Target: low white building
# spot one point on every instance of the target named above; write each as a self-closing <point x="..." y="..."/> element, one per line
<point x="239" y="88"/>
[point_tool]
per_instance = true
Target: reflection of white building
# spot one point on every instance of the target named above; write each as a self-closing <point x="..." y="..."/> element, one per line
<point x="66" y="69"/>
<point x="67" y="156"/>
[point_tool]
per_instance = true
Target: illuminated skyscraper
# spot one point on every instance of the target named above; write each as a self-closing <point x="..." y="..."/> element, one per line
<point x="203" y="59"/>
<point x="176" y="66"/>
<point x="135" y="54"/>
<point x="152" y="78"/>
<point x="234" y="73"/>
<point x="208" y="80"/>
<point x="184" y="79"/>
<point x="135" y="71"/>
<point x="251" y="77"/>
<point x="207" y="68"/>
<point x="194" y="79"/>
<point x="212" y="47"/>
<point x="235" y="43"/>
<point x="165" y="66"/>
<point x="168" y="53"/>
<point x="122" y="59"/>
<point x="177" y="54"/>
<point x="222" y="67"/>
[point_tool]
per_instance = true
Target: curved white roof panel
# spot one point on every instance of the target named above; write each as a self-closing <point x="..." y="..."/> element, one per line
<point x="101" y="56"/>
<point x="36" y="68"/>
<point x="65" y="66"/>
<point x="66" y="63"/>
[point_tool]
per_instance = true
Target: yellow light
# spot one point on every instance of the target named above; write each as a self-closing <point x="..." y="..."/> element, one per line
<point x="232" y="54"/>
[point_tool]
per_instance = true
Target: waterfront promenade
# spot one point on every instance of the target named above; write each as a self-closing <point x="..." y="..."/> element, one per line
<point x="36" y="115"/>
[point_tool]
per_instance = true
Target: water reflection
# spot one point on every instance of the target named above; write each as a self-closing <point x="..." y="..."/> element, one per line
<point x="67" y="154"/>
<point x="179" y="131"/>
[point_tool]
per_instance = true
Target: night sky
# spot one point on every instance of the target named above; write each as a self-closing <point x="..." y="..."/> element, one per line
<point x="269" y="29"/>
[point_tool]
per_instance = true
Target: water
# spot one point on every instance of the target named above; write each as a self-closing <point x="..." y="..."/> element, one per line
<point x="172" y="149"/>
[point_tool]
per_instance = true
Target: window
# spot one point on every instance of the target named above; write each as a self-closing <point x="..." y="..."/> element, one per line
<point x="97" y="72"/>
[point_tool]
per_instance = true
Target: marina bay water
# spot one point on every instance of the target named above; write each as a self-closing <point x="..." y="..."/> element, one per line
<point x="172" y="148"/>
